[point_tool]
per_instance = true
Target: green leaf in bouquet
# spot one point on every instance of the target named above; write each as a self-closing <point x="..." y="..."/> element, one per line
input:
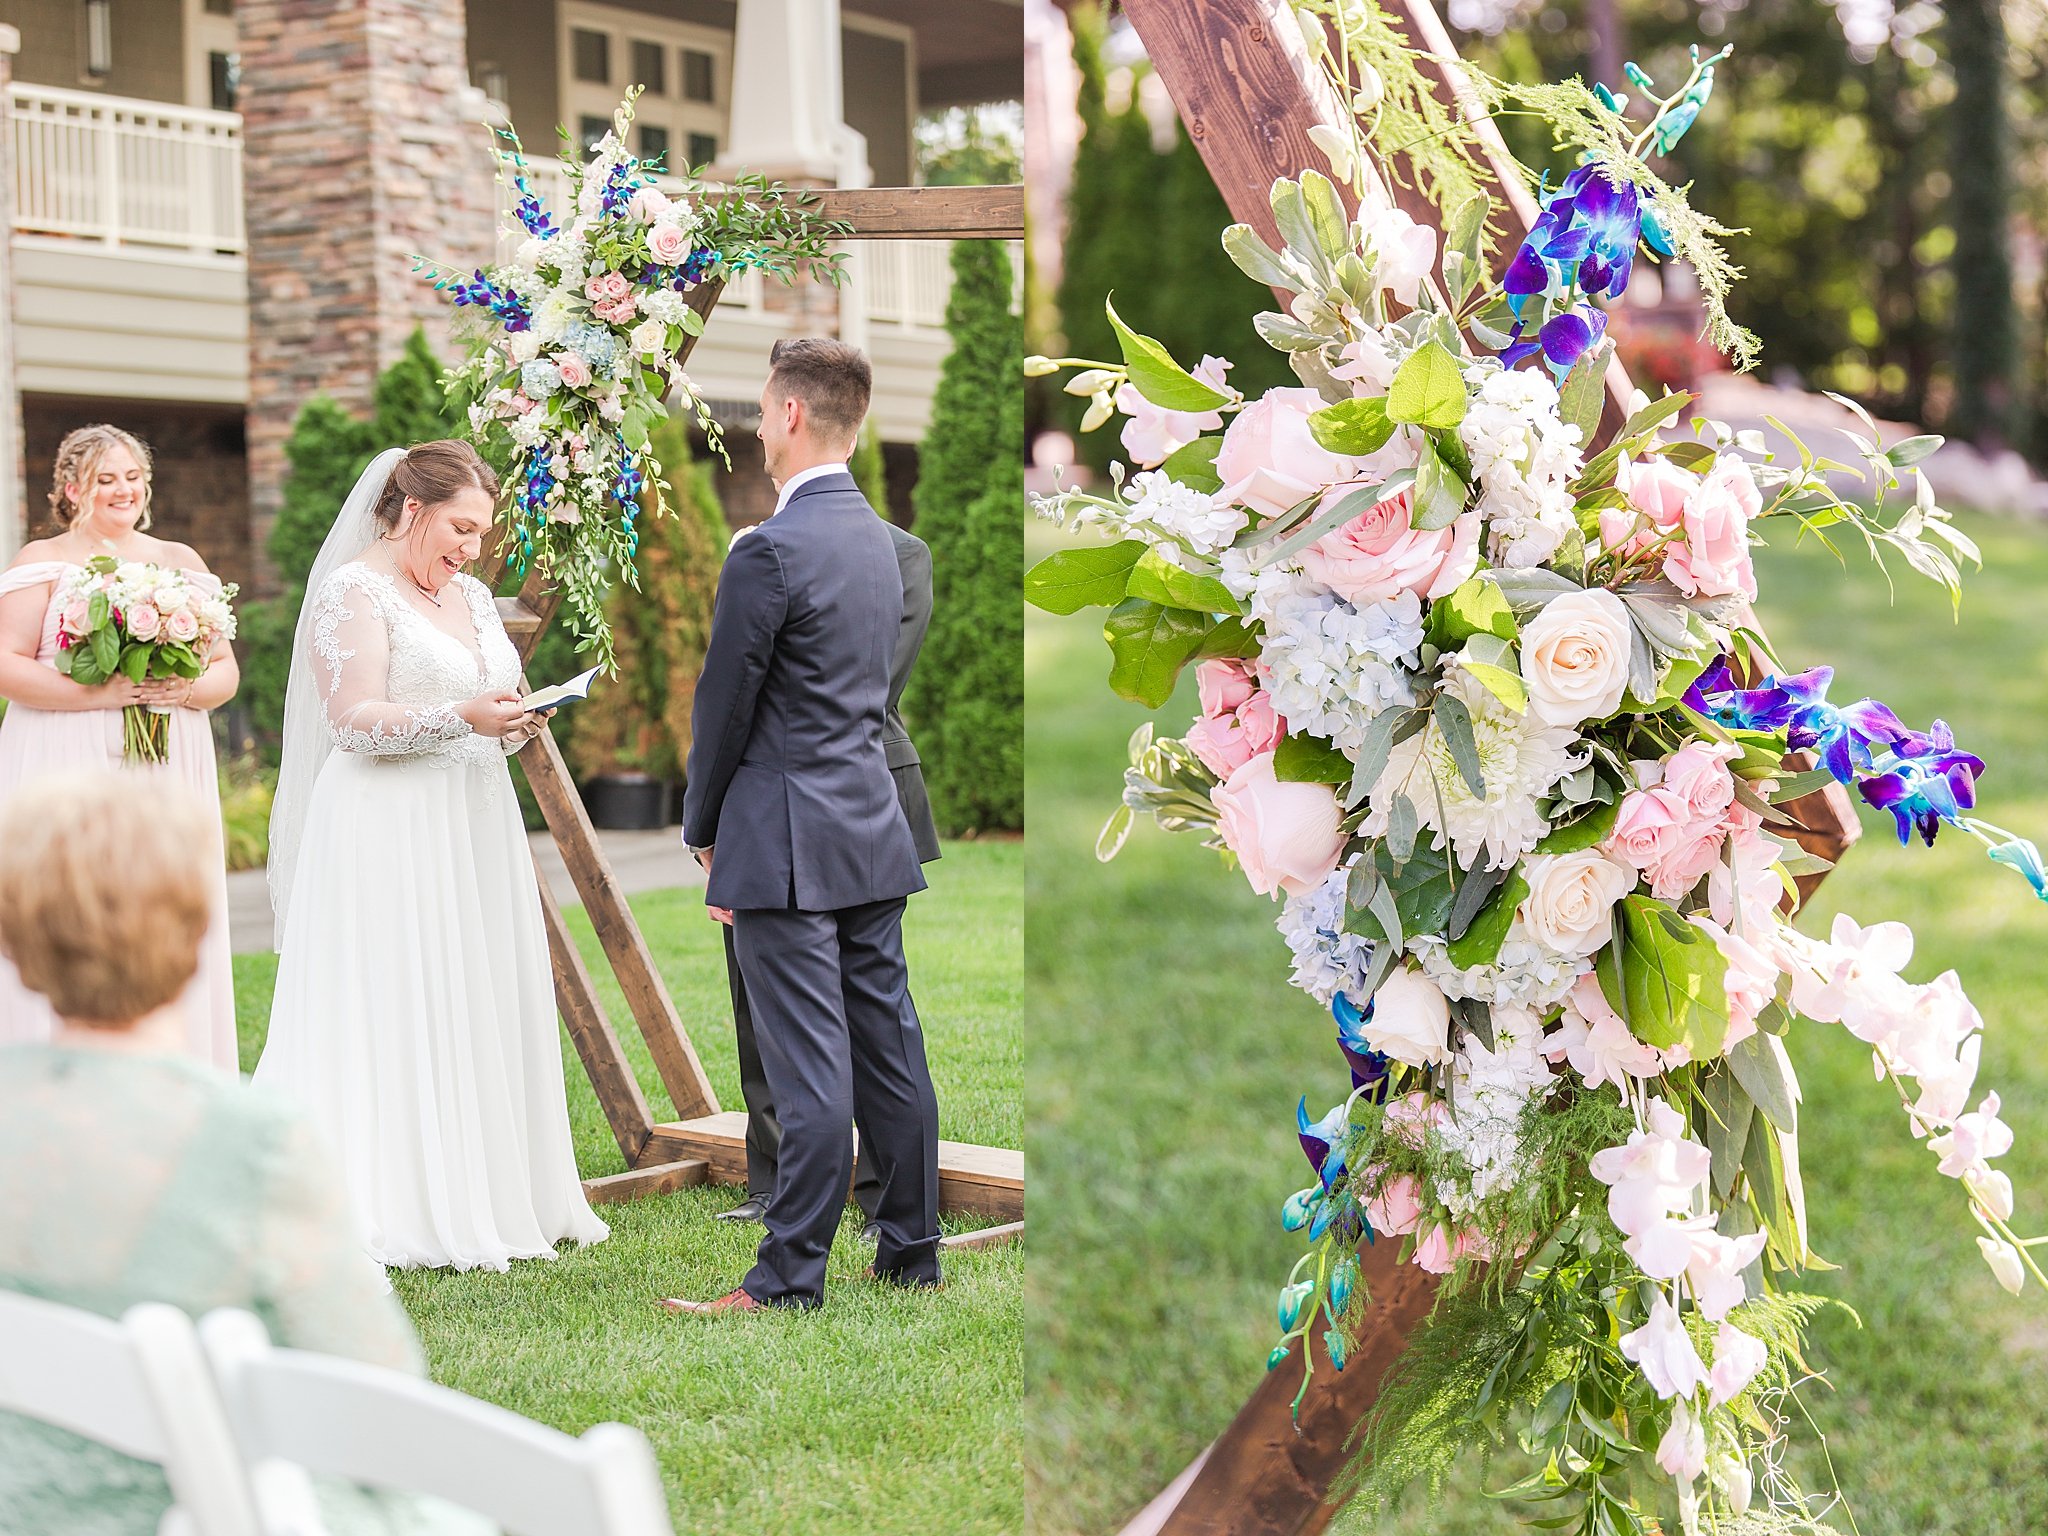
<point x="1385" y="730"/>
<point x="1724" y="1125"/>
<point x="1454" y="720"/>
<point x="1672" y="978"/>
<point x="1451" y="449"/>
<point x="1655" y="414"/>
<point x="1306" y="759"/>
<point x="1911" y="450"/>
<point x="1528" y="590"/>
<point x="1158" y="580"/>
<point x="1353" y="427"/>
<point x="1194" y="465"/>
<point x="692" y="323"/>
<point x="1328" y="223"/>
<point x="1678" y="676"/>
<point x="1439" y="494"/>
<point x="1258" y="260"/>
<point x="1466" y="224"/>
<point x="1492" y="665"/>
<point x="1352" y="503"/>
<point x="1584" y="832"/>
<point x="1760" y="1064"/>
<point x="1157" y="376"/>
<point x="1585" y="391"/>
<point x="1696" y="457"/>
<point x="1231" y="639"/>
<point x="106" y="651"/>
<point x="1428" y="388"/>
<point x="1402" y="825"/>
<point x="1148" y="645"/>
<point x="1798" y="786"/>
<point x="1480" y="942"/>
<point x="1421" y="885"/>
<point x="1297" y="227"/>
<point x="1073" y="579"/>
<point x="1763" y="1165"/>
<point x="134" y="663"/>
<point x="99" y="608"/>
<point x="1283" y="333"/>
<point x="1476" y="608"/>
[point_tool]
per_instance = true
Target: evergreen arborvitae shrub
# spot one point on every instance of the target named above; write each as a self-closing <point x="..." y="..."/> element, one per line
<point x="869" y="470"/>
<point x="965" y="702"/>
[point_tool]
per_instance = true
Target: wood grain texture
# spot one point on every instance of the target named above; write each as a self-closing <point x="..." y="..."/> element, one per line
<point x="985" y="1237"/>
<point x="637" y="1183"/>
<point x="973" y="1180"/>
<point x="597" y="1043"/>
<point x="927" y="213"/>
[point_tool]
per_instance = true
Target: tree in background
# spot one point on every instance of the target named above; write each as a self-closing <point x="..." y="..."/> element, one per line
<point x="870" y="471"/>
<point x="1981" y="328"/>
<point x="328" y="450"/>
<point x="639" y="720"/>
<point x="965" y="705"/>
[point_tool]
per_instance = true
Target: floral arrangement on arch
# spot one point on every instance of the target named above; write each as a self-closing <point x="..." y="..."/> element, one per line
<point x="575" y="353"/>
<point x="1486" y="711"/>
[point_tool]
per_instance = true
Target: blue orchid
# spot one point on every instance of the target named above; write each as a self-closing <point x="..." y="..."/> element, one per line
<point x="1322" y="1141"/>
<point x="619" y="188"/>
<point x="1343" y="1280"/>
<point x="502" y="302"/>
<point x="1368" y="1066"/>
<point x="1924" y="781"/>
<point x="2023" y="856"/>
<point x="1340" y="1352"/>
<point x="1300" y="1208"/>
<point x="1842" y="736"/>
<point x="532" y="212"/>
<point x="1292" y="1299"/>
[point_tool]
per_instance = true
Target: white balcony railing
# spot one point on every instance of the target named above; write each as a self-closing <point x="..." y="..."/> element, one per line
<point x="122" y="172"/>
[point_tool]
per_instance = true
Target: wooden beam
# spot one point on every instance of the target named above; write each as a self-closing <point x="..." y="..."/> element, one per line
<point x="637" y="1183"/>
<point x="984" y="1237"/>
<point x="611" y="1075"/>
<point x="974" y="1181"/>
<point x="927" y="213"/>
<point x="1270" y="1473"/>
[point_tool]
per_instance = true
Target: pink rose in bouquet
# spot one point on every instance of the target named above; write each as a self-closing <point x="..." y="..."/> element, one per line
<point x="1712" y="559"/>
<point x="668" y="244"/>
<point x="575" y="371"/>
<point x="1269" y="460"/>
<point x="1229" y="739"/>
<point x="1377" y="556"/>
<point x="1285" y="835"/>
<point x="141" y="622"/>
<point x="1223" y="685"/>
<point x="144" y="622"/>
<point x="1153" y="432"/>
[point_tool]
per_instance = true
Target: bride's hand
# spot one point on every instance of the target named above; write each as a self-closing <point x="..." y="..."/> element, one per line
<point x="494" y="714"/>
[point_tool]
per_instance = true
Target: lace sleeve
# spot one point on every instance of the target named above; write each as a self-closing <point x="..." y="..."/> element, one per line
<point x="352" y="635"/>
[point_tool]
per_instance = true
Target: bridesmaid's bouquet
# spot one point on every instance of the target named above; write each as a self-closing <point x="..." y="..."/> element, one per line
<point x="131" y="619"/>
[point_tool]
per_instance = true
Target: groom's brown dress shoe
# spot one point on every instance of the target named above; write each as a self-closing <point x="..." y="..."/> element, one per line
<point x="734" y="1300"/>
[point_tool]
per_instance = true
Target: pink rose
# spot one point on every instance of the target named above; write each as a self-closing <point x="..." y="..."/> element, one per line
<point x="615" y="311"/>
<point x="522" y="404"/>
<point x="1377" y="556"/>
<point x="1697" y="850"/>
<point x="1152" y="433"/>
<point x="1649" y="826"/>
<point x="648" y="204"/>
<point x="1397" y="1209"/>
<point x="668" y="245"/>
<point x="77" y="614"/>
<point x="615" y="285"/>
<point x="1285" y="835"/>
<point x="1435" y="1252"/>
<point x="575" y="371"/>
<point x="183" y="628"/>
<point x="1224" y="685"/>
<point x="1269" y="461"/>
<point x="1410" y="1116"/>
<point x="594" y="287"/>
<point x="145" y="623"/>
<point x="1262" y="724"/>
<point x="1697" y="773"/>
<point x="1712" y="559"/>
<point x="1659" y="490"/>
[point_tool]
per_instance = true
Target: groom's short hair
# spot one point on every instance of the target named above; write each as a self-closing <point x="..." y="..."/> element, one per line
<point x="832" y="379"/>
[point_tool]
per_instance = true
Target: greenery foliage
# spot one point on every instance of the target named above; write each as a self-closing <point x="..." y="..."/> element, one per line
<point x="965" y="705"/>
<point x="639" y="720"/>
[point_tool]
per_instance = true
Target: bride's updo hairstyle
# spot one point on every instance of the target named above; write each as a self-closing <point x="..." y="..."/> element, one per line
<point x="104" y="896"/>
<point x="432" y="473"/>
<point x="78" y="460"/>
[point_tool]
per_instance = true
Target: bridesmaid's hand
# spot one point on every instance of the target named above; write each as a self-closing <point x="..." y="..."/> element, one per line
<point x="175" y="692"/>
<point x="115" y="693"/>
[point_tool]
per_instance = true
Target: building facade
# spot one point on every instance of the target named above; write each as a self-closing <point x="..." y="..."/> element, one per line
<point x="214" y="204"/>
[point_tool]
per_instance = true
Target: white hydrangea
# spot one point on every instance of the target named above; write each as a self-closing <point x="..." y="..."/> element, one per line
<point x="664" y="304"/>
<point x="552" y="318"/>
<point x="1327" y="960"/>
<point x="1523" y="458"/>
<point x="1490" y="1091"/>
<point x="1524" y="975"/>
<point x="1329" y="666"/>
<point x="528" y="430"/>
<point x="1207" y="523"/>
<point x="1520" y="759"/>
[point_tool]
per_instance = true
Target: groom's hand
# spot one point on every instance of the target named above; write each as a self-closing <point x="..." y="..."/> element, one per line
<point x="720" y="915"/>
<point x="704" y="858"/>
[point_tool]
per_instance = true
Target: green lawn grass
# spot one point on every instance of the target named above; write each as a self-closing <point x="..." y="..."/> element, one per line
<point x="1168" y="1052"/>
<point x="887" y="1411"/>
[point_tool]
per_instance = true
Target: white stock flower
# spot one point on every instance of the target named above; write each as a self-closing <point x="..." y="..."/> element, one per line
<point x="1575" y="657"/>
<point x="1520" y="759"/>
<point x="1206" y="522"/>
<point x="1491" y="1090"/>
<point x="1664" y="1351"/>
<point x="1570" y="905"/>
<point x="1523" y="457"/>
<point x="1524" y="974"/>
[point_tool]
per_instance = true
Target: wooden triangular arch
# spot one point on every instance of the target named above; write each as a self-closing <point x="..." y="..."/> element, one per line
<point x="1240" y="75"/>
<point x="706" y="1144"/>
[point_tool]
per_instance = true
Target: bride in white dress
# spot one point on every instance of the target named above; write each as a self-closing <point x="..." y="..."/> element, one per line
<point x="414" y="1016"/>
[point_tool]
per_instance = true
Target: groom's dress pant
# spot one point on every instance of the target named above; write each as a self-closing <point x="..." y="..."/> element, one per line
<point x="838" y="1043"/>
<point x="764" y="1129"/>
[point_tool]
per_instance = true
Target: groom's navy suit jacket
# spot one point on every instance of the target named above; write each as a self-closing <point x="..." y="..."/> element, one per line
<point x="788" y="775"/>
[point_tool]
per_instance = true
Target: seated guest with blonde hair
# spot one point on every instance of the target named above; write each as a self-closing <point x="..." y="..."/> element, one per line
<point x="129" y="1171"/>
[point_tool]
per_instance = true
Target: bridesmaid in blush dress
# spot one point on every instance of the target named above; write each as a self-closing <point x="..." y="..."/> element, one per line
<point x="56" y="727"/>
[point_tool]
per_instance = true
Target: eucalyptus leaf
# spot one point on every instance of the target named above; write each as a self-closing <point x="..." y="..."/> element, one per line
<point x="1439" y="494"/>
<point x="1528" y="590"/>
<point x="1354" y="427"/>
<point x="1725" y="1126"/>
<point x="1257" y="260"/>
<point x="1351" y="504"/>
<point x="1194" y="465"/>
<point x="1480" y="941"/>
<point x="1386" y="728"/>
<point x="1585" y="832"/>
<point x="1306" y="759"/>
<point x="1402" y="825"/>
<point x="1326" y="216"/>
<point x="1285" y="334"/>
<point x="1454" y="720"/>
<point x="1760" y="1064"/>
<point x="1584" y="392"/>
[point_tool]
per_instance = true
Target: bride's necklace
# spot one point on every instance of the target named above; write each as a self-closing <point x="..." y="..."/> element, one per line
<point x="420" y="587"/>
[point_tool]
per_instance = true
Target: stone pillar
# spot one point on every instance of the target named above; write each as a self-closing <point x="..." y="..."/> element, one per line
<point x="362" y="147"/>
<point x="13" y="493"/>
<point x="788" y="100"/>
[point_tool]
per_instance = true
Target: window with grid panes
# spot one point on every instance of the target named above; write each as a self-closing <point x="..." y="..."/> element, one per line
<point x="590" y="55"/>
<point x="700" y="76"/>
<point x="650" y="67"/>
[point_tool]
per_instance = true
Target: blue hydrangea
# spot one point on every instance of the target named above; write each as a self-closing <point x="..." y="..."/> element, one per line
<point x="597" y="346"/>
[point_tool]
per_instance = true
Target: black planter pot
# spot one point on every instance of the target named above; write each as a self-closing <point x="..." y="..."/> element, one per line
<point x="626" y="802"/>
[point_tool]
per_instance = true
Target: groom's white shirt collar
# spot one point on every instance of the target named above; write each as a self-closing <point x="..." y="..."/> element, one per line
<point x="805" y="477"/>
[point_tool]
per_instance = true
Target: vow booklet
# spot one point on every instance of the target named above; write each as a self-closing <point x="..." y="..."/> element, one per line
<point x="578" y="687"/>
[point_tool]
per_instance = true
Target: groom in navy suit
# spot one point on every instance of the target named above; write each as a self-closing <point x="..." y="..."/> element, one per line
<point x="792" y="810"/>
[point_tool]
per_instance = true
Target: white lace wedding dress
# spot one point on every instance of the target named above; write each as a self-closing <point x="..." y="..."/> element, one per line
<point x="414" y="1016"/>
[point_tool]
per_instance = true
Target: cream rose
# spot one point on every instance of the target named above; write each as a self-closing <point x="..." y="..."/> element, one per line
<point x="1285" y="835"/>
<point x="1570" y="905"/>
<point x="1575" y="657"/>
<point x="1410" y="1020"/>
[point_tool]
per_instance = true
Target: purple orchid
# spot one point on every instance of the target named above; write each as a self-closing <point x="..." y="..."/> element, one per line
<point x="502" y="302"/>
<point x="1841" y="736"/>
<point x="1924" y="781"/>
<point x="1322" y="1141"/>
<point x="1368" y="1066"/>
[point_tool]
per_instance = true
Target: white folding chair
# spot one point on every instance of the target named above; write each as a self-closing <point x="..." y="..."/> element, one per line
<point x="141" y="1387"/>
<point x="342" y="1418"/>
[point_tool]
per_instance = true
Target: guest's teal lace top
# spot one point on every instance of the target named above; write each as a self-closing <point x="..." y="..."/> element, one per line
<point x="128" y="1178"/>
